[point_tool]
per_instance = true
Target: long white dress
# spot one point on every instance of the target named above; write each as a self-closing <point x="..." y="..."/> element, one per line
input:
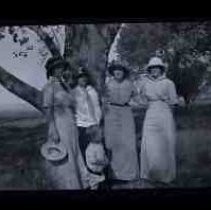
<point x="158" y="139"/>
<point x="71" y="174"/>
<point x="120" y="138"/>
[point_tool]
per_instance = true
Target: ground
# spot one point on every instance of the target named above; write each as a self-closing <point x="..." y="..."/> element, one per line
<point x="21" y="162"/>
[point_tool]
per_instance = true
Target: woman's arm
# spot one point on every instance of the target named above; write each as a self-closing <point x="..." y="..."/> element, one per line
<point x="143" y="100"/>
<point x="135" y="100"/>
<point x="48" y="101"/>
<point x="96" y="104"/>
<point x="173" y="98"/>
<point x="105" y="100"/>
<point x="49" y="113"/>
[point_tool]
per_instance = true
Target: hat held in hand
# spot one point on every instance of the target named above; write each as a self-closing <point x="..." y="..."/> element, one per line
<point x="54" y="151"/>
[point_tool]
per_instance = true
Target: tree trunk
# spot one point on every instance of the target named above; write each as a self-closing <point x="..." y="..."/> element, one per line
<point x="88" y="45"/>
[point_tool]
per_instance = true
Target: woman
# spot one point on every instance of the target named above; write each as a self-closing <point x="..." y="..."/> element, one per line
<point x="58" y="101"/>
<point x="158" y="138"/>
<point x="120" y="138"/>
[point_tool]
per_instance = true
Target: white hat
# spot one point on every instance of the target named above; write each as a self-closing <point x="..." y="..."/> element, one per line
<point x="53" y="152"/>
<point x="155" y="61"/>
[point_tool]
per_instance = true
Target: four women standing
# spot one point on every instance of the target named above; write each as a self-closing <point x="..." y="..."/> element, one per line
<point x="157" y="157"/>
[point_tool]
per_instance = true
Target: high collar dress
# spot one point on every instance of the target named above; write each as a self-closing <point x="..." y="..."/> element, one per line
<point x="120" y="137"/>
<point x="158" y="138"/>
<point x="72" y="173"/>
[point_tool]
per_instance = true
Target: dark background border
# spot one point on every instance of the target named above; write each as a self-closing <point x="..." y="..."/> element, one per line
<point x="198" y="198"/>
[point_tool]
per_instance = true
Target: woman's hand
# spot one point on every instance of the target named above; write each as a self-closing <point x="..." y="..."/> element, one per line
<point x="163" y="98"/>
<point x="143" y="106"/>
<point x="55" y="140"/>
<point x="53" y="136"/>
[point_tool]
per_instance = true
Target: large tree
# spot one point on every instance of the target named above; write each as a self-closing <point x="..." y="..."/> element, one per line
<point x="85" y="45"/>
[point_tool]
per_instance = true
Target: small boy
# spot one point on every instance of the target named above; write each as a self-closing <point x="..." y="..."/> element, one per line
<point x="96" y="159"/>
<point x="88" y="111"/>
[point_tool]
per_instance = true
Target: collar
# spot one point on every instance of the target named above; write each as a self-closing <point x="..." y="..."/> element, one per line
<point x="88" y="87"/>
<point x="157" y="79"/>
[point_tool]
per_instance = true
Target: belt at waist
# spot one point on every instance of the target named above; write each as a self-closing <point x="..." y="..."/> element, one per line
<point x="158" y="103"/>
<point x="121" y="105"/>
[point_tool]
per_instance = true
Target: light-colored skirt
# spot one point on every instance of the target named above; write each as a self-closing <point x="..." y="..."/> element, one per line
<point x="72" y="173"/>
<point x="158" y="144"/>
<point x="120" y="141"/>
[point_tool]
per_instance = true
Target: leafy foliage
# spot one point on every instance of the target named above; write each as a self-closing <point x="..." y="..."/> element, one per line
<point x="186" y="46"/>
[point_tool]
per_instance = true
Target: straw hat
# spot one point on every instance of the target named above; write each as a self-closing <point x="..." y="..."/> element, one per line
<point x="120" y="67"/>
<point x="53" y="62"/>
<point x="83" y="72"/>
<point x="155" y="62"/>
<point x="53" y="152"/>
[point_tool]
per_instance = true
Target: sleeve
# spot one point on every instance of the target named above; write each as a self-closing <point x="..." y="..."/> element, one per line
<point x="96" y="103"/>
<point x="134" y="101"/>
<point x="134" y="90"/>
<point x="47" y="96"/>
<point x="47" y="104"/>
<point x="106" y="92"/>
<point x="173" y="98"/>
<point x="143" y="97"/>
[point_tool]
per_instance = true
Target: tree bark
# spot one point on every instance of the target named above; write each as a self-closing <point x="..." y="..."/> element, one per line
<point x="46" y="39"/>
<point x="88" y="45"/>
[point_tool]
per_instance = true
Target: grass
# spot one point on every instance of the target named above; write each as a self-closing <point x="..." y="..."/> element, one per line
<point x="193" y="145"/>
<point x="21" y="162"/>
<point x="194" y="158"/>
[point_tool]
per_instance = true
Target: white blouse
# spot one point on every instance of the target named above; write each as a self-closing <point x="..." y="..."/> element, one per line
<point x="88" y="111"/>
<point x="162" y="89"/>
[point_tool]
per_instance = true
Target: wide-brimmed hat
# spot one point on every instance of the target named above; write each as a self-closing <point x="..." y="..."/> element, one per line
<point x="156" y="62"/>
<point x="55" y="61"/>
<point x="114" y="67"/>
<point x="53" y="152"/>
<point x="83" y="72"/>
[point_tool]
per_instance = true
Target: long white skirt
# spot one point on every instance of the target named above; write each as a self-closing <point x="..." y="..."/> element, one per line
<point x="158" y="144"/>
<point x="120" y="140"/>
<point x="72" y="173"/>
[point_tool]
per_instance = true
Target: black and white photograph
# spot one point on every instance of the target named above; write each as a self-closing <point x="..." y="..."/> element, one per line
<point x="105" y="106"/>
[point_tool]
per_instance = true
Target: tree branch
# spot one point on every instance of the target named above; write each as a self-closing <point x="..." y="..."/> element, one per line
<point x="21" y="89"/>
<point x="107" y="33"/>
<point x="46" y="39"/>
